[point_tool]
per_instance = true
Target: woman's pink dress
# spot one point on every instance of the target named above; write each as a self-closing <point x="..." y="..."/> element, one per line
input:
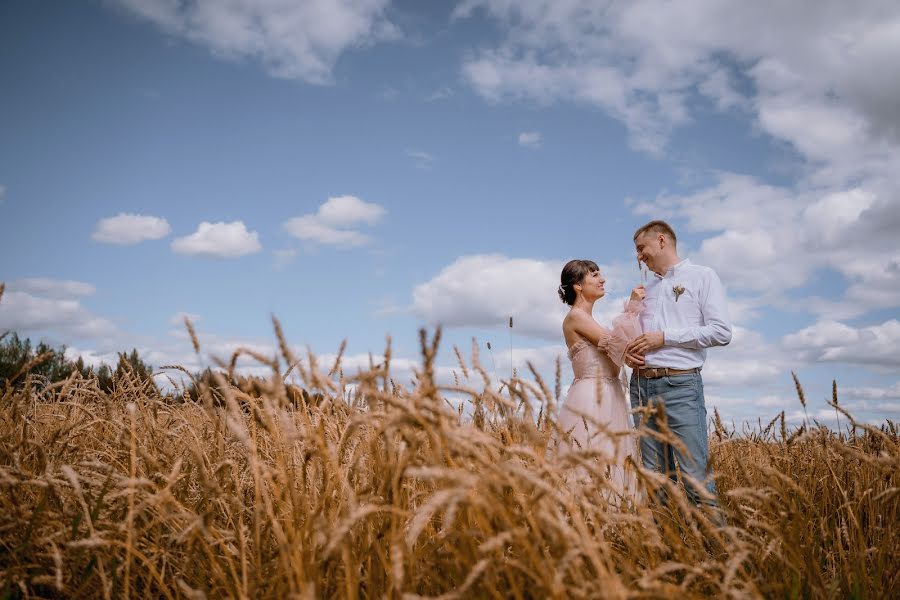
<point x="596" y="397"/>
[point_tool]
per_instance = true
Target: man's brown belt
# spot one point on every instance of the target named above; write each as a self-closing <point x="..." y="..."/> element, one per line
<point x="664" y="372"/>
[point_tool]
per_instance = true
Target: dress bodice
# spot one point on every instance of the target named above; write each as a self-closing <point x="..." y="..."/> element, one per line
<point x="590" y="361"/>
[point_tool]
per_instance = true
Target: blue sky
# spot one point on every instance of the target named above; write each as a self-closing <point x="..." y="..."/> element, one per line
<point x="365" y="168"/>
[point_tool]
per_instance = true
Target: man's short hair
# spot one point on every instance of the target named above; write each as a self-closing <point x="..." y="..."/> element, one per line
<point x="657" y="227"/>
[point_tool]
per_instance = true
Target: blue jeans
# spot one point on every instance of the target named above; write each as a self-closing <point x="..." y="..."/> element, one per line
<point x="681" y="397"/>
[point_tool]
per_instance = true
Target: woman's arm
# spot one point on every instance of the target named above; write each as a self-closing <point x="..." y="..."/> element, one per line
<point x="585" y="326"/>
<point x="625" y="328"/>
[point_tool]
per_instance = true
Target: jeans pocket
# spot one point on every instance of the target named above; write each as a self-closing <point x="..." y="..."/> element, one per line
<point x="680" y="380"/>
<point x="682" y="400"/>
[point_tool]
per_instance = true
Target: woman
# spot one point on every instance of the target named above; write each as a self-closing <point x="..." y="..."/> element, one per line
<point x="595" y="412"/>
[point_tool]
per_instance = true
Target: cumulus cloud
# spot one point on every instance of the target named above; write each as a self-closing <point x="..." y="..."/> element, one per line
<point x="336" y="222"/>
<point x="871" y="398"/>
<point x="485" y="290"/>
<point x="766" y="240"/>
<point x="29" y="313"/>
<point x="820" y="82"/>
<point x="126" y="229"/>
<point x="874" y="284"/>
<point x="873" y="393"/>
<point x="52" y="288"/>
<point x="219" y="240"/>
<point x="749" y="360"/>
<point x="348" y="211"/>
<point x="530" y="139"/>
<point x="296" y="40"/>
<point x="832" y="341"/>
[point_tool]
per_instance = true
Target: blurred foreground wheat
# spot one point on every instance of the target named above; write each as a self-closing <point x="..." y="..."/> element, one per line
<point x="359" y="487"/>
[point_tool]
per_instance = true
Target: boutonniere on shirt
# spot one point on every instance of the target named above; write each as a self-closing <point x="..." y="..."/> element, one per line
<point x="679" y="290"/>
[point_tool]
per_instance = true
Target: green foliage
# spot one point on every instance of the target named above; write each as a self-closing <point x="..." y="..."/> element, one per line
<point x="16" y="354"/>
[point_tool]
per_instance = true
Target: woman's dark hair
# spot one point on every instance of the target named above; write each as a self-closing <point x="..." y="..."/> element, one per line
<point x="574" y="272"/>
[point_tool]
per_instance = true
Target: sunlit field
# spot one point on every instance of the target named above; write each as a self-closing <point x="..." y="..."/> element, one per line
<point x="363" y="487"/>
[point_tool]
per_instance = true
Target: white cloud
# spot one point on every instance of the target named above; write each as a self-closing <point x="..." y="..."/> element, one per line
<point x="873" y="393"/>
<point x="29" y="313"/>
<point x="91" y="357"/>
<point x="441" y="93"/>
<point x="759" y="241"/>
<point x="348" y="211"/>
<point x="296" y="40"/>
<point x="310" y="229"/>
<point x="874" y="407"/>
<point x="871" y="398"/>
<point x="284" y="257"/>
<point x="335" y="222"/>
<point x="530" y="139"/>
<point x="768" y="240"/>
<point x="421" y="159"/>
<point x="749" y="360"/>
<point x="52" y="288"/>
<point x="719" y="85"/>
<point x="831" y="341"/>
<point x="221" y="240"/>
<point x="829" y="216"/>
<point x="485" y="290"/>
<point x="819" y="75"/>
<point x="125" y="229"/>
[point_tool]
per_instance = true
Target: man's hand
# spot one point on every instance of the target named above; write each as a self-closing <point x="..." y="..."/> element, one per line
<point x="646" y="343"/>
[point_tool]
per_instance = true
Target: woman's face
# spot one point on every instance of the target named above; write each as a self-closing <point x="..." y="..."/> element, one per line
<point x="592" y="286"/>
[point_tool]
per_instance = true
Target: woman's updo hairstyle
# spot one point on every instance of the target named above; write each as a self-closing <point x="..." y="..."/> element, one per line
<point x="574" y="272"/>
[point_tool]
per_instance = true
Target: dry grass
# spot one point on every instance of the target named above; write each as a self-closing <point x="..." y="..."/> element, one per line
<point x="391" y="492"/>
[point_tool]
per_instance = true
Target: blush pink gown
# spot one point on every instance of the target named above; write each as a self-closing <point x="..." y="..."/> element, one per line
<point x="597" y="398"/>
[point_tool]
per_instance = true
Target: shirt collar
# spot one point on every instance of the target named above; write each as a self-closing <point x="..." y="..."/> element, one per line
<point x="675" y="268"/>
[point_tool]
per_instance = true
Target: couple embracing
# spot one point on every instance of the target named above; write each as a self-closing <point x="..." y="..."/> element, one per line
<point x="662" y="334"/>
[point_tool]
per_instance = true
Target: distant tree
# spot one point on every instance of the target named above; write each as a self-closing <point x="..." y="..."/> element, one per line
<point x="16" y="354"/>
<point x="133" y="365"/>
<point x="128" y="364"/>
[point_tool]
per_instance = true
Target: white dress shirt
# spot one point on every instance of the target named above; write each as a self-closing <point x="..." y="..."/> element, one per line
<point x="696" y="320"/>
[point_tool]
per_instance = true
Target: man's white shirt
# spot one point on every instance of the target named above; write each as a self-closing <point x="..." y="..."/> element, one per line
<point x="688" y="305"/>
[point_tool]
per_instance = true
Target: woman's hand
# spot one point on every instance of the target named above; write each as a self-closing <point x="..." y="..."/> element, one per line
<point x="638" y="293"/>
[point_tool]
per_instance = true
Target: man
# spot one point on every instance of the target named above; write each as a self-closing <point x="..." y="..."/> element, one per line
<point x="684" y="313"/>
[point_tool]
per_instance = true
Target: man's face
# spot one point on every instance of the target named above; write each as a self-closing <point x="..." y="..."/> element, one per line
<point x="648" y="248"/>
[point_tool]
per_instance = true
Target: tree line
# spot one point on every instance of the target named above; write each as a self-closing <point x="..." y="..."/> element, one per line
<point x="42" y="365"/>
<point x="45" y="365"/>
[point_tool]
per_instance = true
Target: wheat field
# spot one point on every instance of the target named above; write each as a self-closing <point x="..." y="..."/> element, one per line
<point x="364" y="487"/>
